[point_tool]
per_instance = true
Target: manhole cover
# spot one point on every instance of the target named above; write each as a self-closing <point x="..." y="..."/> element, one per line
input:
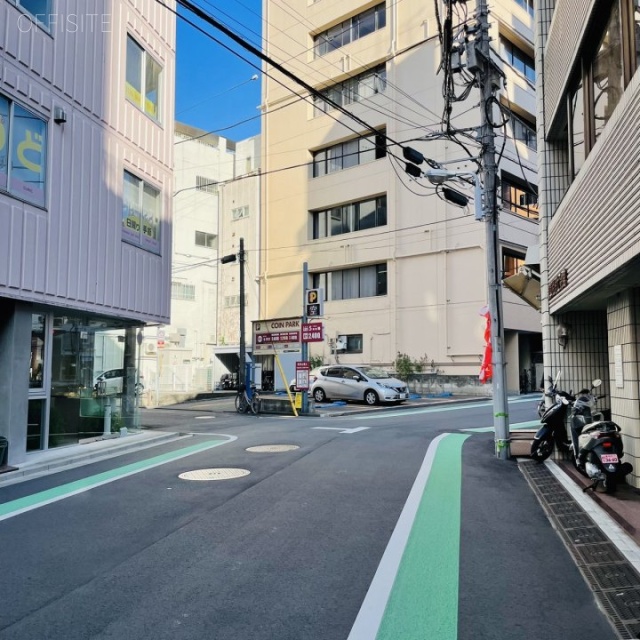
<point x="213" y="474"/>
<point x="273" y="448"/>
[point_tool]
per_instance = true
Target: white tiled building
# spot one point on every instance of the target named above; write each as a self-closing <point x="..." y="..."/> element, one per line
<point x="588" y="56"/>
<point x="86" y="161"/>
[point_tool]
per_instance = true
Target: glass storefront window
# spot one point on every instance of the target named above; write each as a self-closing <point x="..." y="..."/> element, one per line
<point x="35" y="424"/>
<point x="36" y="367"/>
<point x="92" y="367"/>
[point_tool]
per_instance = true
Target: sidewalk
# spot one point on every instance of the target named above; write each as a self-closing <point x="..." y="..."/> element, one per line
<point x="72" y="456"/>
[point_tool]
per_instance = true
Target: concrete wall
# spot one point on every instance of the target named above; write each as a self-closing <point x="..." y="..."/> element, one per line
<point x="623" y="315"/>
<point x="15" y="333"/>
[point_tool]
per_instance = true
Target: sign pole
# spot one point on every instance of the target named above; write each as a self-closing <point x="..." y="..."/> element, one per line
<point x="304" y="346"/>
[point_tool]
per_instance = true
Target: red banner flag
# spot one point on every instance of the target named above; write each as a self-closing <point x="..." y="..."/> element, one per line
<point x="486" y="369"/>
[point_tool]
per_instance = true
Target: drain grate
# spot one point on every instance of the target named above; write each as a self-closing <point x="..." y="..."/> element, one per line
<point x="599" y="553"/>
<point x="554" y="495"/>
<point x="565" y="508"/>
<point x="584" y="535"/>
<point x="626" y="603"/>
<point x="574" y="520"/>
<point x="605" y="577"/>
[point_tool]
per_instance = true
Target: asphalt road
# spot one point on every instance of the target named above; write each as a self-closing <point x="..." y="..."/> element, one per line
<point x="303" y="545"/>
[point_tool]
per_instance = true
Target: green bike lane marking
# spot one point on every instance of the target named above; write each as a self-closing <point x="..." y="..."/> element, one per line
<point x="512" y="427"/>
<point x="42" y="498"/>
<point x="414" y="593"/>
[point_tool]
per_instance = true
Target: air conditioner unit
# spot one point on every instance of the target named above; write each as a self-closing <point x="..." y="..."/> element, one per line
<point x="150" y="347"/>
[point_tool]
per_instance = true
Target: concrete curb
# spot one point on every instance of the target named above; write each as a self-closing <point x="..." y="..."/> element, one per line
<point x="402" y="407"/>
<point x="61" y="460"/>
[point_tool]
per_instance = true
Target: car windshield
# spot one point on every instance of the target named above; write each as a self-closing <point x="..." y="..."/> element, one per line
<point x="373" y="372"/>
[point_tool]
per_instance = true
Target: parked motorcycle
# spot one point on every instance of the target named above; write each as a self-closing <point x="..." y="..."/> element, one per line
<point x="553" y="430"/>
<point x="596" y="444"/>
<point x="550" y="392"/>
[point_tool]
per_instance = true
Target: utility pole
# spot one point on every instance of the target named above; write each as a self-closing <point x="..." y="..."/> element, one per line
<point x="304" y="346"/>
<point x="242" y="354"/>
<point x="488" y="77"/>
<point x="242" y="369"/>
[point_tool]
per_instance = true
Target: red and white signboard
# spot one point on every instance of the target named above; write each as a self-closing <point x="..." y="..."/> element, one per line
<point x="302" y="375"/>
<point x="312" y="332"/>
<point x="276" y="335"/>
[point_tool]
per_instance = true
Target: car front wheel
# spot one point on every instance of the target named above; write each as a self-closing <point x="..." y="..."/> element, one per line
<point x="370" y="397"/>
<point x="319" y="395"/>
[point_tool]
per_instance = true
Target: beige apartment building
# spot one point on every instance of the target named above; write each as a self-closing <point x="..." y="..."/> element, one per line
<point x="589" y="108"/>
<point x="402" y="270"/>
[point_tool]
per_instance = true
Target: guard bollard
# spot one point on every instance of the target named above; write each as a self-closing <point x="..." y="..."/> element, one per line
<point x="4" y="452"/>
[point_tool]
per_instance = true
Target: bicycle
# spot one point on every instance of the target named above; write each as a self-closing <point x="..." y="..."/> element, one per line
<point x="248" y="400"/>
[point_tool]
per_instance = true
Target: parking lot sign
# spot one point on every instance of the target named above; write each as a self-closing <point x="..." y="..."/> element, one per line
<point x="314" y="303"/>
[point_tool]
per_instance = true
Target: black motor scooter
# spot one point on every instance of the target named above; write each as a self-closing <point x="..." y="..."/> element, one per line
<point x="553" y="429"/>
<point x="596" y="444"/>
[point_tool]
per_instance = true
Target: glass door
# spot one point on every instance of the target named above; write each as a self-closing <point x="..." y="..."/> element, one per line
<point x="37" y="413"/>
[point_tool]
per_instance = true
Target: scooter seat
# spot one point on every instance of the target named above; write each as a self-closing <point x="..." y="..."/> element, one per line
<point x="603" y="426"/>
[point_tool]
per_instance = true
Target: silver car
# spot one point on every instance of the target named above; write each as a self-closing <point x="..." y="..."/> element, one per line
<point x="355" y="382"/>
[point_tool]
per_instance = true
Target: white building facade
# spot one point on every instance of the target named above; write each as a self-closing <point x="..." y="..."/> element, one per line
<point x="402" y="270"/>
<point x="86" y="178"/>
<point x="178" y="359"/>
<point x="588" y="54"/>
<point x="240" y="208"/>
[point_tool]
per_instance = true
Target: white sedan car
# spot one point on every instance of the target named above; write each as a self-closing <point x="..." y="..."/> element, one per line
<point x="362" y="383"/>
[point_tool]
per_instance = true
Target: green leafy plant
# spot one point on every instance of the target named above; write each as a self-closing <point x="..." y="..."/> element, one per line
<point x="403" y="366"/>
<point x="406" y="367"/>
<point x="316" y="361"/>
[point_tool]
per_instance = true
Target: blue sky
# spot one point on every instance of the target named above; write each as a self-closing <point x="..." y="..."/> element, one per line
<point x="214" y="90"/>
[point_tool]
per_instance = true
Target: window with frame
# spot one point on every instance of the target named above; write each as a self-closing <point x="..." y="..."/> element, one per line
<point x="355" y="216"/>
<point x="204" y="239"/>
<point x="604" y="72"/>
<point x="39" y="10"/>
<point x="348" y="154"/>
<point x="523" y="132"/>
<point x="143" y="78"/>
<point x="350" y="30"/>
<point x="511" y="262"/>
<point x="240" y="212"/>
<point x="527" y="5"/>
<point x="355" y="89"/>
<point x="209" y="185"/>
<point x="183" y="291"/>
<point x="350" y="343"/>
<point x="518" y="59"/>
<point x="141" y="213"/>
<point x="359" y="282"/>
<point x="234" y="301"/>
<point x="519" y="197"/>
<point x="23" y="153"/>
